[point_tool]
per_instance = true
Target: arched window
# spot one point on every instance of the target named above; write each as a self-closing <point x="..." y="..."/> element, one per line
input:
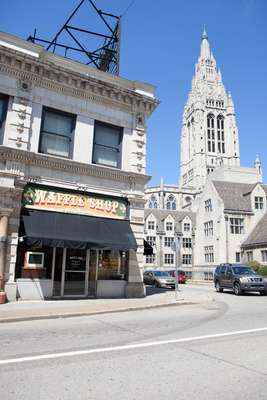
<point x="153" y="202"/>
<point x="211" y="133"/>
<point x="171" y="203"/>
<point x="220" y="134"/>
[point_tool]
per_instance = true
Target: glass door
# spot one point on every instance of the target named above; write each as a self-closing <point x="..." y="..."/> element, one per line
<point x="75" y="273"/>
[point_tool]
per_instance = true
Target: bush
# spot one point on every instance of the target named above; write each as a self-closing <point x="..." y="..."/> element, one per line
<point x="259" y="268"/>
<point x="255" y="265"/>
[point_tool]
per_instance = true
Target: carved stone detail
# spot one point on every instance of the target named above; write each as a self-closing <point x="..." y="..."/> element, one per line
<point x="51" y="76"/>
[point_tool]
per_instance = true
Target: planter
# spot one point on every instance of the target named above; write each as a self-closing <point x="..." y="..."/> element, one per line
<point x="2" y="297"/>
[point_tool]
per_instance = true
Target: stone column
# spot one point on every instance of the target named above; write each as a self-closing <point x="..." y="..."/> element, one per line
<point x="4" y="214"/>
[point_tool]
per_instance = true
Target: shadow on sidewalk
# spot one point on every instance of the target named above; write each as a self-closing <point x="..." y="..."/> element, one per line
<point x="150" y="290"/>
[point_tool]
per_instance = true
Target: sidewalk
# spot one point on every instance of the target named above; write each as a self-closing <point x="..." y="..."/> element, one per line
<point x="31" y="310"/>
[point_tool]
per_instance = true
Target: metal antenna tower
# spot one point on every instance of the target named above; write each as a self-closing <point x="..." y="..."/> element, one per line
<point x="106" y="55"/>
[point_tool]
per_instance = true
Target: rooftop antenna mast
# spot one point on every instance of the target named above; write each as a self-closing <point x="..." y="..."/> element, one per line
<point x="106" y="57"/>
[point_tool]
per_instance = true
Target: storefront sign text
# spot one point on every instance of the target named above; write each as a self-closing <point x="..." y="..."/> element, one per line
<point x="42" y="199"/>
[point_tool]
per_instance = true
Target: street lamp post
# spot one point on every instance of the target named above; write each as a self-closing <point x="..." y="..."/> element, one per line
<point x="177" y="250"/>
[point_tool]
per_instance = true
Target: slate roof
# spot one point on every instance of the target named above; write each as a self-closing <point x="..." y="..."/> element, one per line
<point x="178" y="216"/>
<point x="258" y="236"/>
<point x="235" y="195"/>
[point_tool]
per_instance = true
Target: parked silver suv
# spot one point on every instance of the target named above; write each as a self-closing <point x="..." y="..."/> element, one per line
<point x="239" y="278"/>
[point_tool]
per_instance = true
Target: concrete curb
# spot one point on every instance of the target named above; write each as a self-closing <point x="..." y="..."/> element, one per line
<point x="89" y="313"/>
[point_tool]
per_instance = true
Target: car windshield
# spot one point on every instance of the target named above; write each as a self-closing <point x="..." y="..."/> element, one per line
<point x="243" y="270"/>
<point x="161" y="273"/>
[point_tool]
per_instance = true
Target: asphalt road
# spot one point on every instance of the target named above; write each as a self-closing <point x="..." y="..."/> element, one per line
<point x="214" y="350"/>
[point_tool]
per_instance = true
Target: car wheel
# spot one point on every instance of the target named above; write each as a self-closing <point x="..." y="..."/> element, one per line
<point x="263" y="293"/>
<point x="237" y="289"/>
<point x="218" y="287"/>
<point x="156" y="284"/>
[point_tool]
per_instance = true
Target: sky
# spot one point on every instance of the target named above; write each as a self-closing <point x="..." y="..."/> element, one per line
<point x="160" y="44"/>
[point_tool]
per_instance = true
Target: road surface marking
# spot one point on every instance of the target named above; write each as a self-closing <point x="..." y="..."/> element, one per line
<point x="127" y="347"/>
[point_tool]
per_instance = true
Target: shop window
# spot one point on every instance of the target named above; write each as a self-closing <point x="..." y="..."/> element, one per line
<point x="56" y="133"/>
<point x="112" y="265"/>
<point x="107" y="145"/>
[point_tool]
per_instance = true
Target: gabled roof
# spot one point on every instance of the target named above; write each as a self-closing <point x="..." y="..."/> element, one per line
<point x="178" y="216"/>
<point x="235" y="195"/>
<point x="258" y="236"/>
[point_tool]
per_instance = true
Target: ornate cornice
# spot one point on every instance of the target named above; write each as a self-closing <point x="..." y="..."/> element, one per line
<point x="69" y="166"/>
<point x="46" y="74"/>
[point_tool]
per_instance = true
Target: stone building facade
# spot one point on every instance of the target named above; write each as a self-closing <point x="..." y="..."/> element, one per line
<point x="78" y="135"/>
<point x="221" y="196"/>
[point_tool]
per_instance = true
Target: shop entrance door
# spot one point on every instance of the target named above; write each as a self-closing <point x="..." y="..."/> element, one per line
<point x="75" y="274"/>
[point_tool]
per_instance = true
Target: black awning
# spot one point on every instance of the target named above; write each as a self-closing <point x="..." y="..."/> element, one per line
<point x="148" y="250"/>
<point x="46" y="228"/>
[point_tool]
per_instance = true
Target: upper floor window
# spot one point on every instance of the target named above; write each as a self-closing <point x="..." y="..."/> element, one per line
<point x="220" y="134"/>
<point x="168" y="241"/>
<point x="187" y="259"/>
<point x="151" y="240"/>
<point x="208" y="228"/>
<point x="187" y="227"/>
<point x="171" y="203"/>
<point x="151" y="225"/>
<point x="237" y="225"/>
<point x="259" y="203"/>
<point x="153" y="202"/>
<point x="56" y="133"/>
<point x="187" y="243"/>
<point x="3" y="111"/>
<point x="208" y="205"/>
<point x="169" y="226"/>
<point x="168" y="258"/>
<point x="211" y="133"/>
<point x="107" y="145"/>
<point x="3" y="108"/>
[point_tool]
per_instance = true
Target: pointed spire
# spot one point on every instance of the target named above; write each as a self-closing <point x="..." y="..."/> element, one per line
<point x="204" y="34"/>
<point x="205" y="47"/>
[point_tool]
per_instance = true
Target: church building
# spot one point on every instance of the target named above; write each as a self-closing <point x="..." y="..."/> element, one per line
<point x="220" y="197"/>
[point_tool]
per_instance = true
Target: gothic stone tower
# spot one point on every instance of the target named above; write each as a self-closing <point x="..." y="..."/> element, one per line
<point x="209" y="135"/>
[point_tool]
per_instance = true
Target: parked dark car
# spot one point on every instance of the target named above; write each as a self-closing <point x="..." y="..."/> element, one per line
<point x="239" y="278"/>
<point x="159" y="279"/>
<point x="181" y="275"/>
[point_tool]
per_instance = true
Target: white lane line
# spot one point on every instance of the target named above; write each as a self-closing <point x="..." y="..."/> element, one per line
<point x="127" y="347"/>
